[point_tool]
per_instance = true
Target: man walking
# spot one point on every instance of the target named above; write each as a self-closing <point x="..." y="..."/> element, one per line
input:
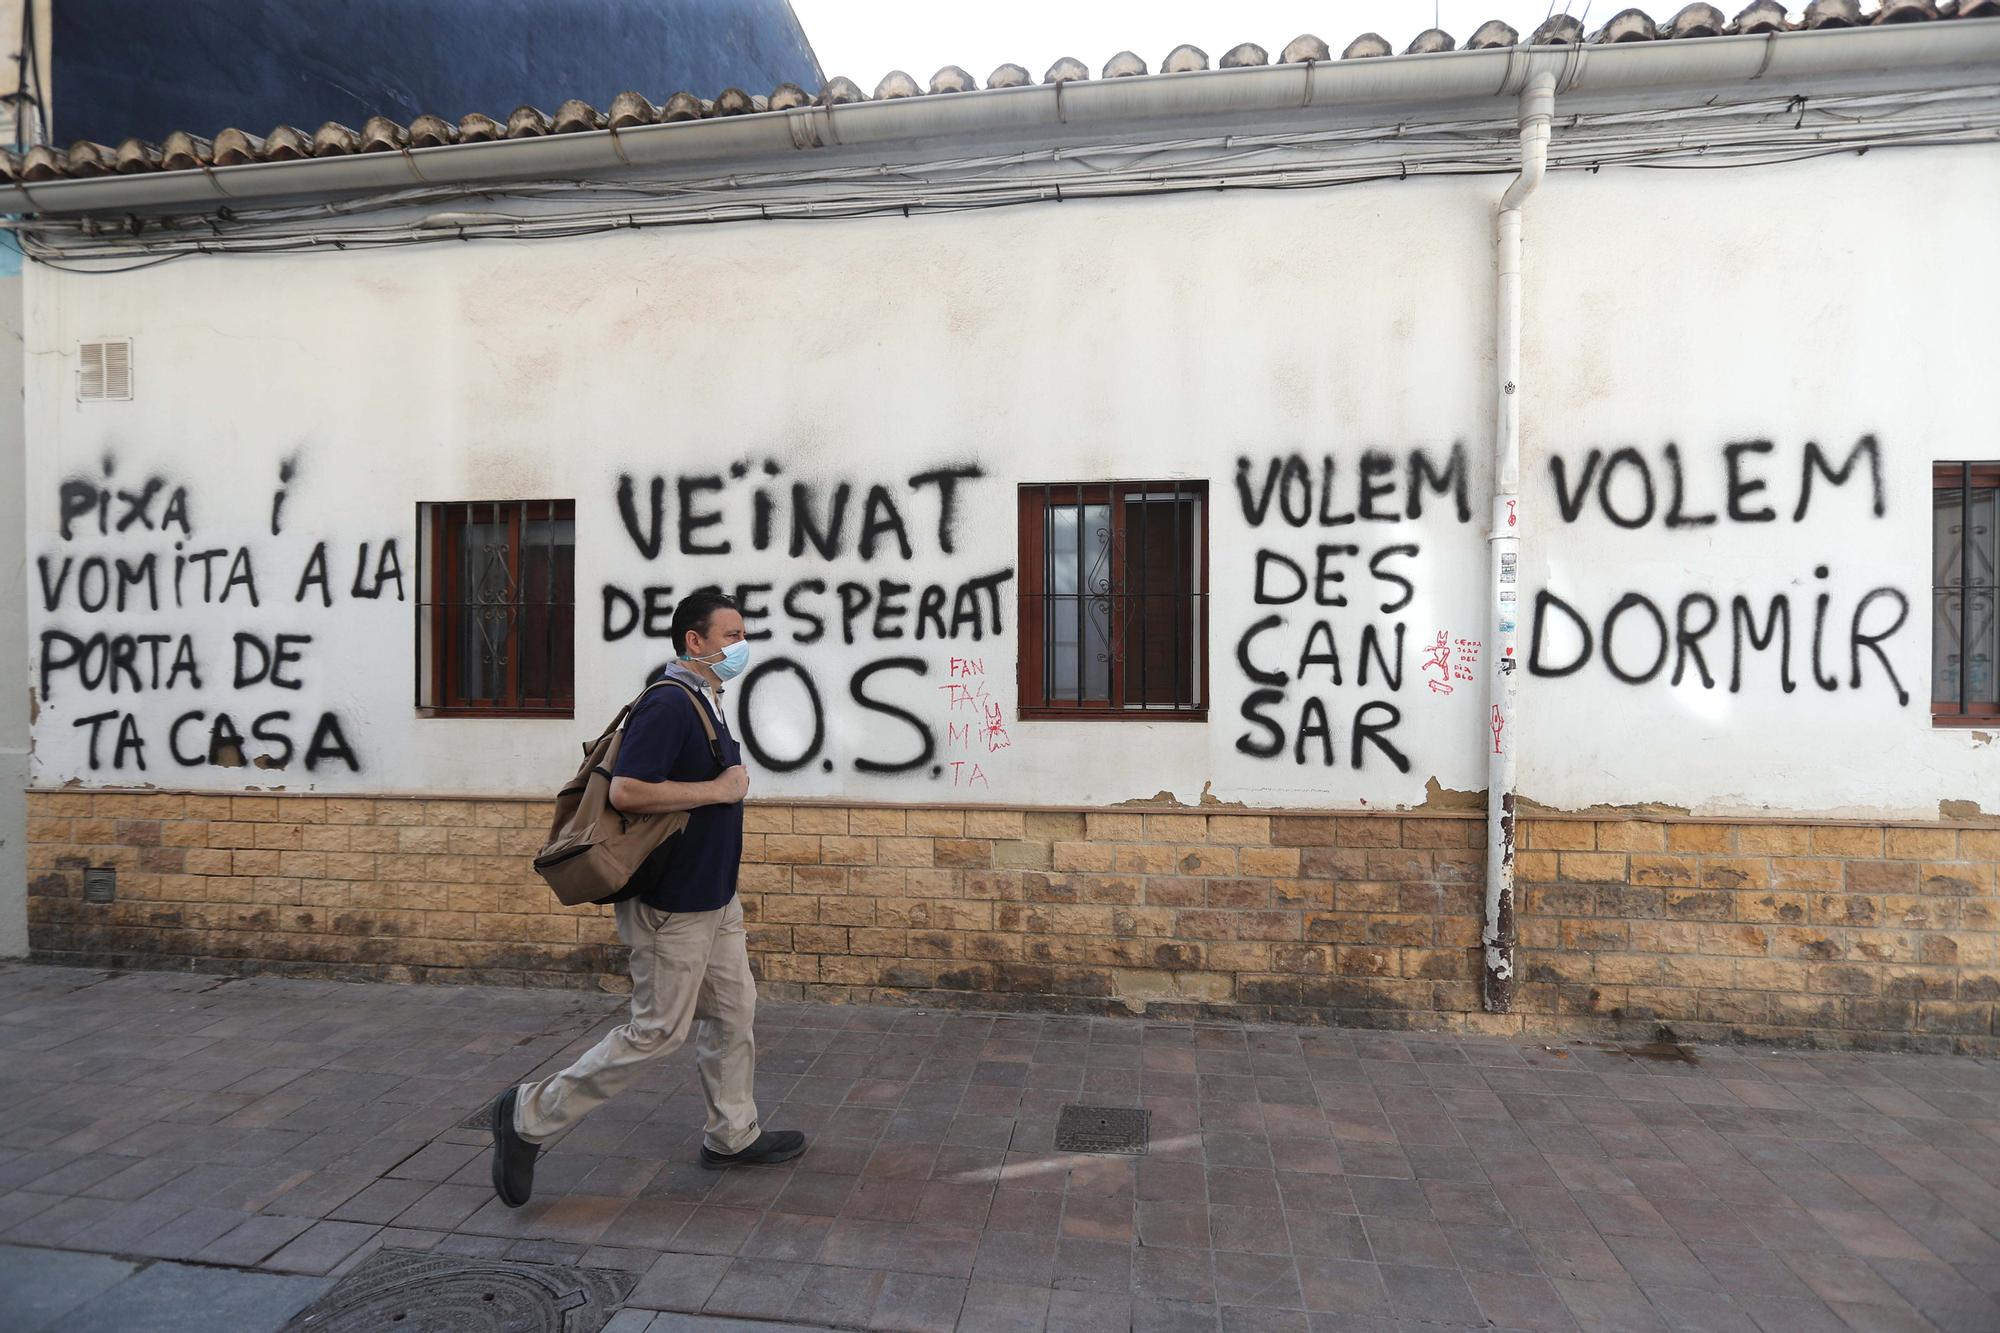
<point x="681" y="920"/>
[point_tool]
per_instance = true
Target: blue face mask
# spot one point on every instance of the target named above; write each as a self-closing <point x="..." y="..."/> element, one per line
<point x="730" y="662"/>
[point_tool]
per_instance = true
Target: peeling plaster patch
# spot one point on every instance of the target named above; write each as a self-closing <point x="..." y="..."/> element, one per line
<point x="1637" y="810"/>
<point x="1982" y="738"/>
<point x="1159" y="798"/>
<point x="1208" y="800"/>
<point x="1437" y="797"/>
<point x="1960" y="810"/>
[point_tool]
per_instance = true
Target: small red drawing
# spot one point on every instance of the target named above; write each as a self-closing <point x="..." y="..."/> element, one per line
<point x="994" y="732"/>
<point x="1499" y="725"/>
<point x="1437" y="656"/>
<point x="1511" y="520"/>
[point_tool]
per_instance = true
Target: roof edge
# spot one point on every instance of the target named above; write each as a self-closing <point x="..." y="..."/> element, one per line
<point x="1438" y="77"/>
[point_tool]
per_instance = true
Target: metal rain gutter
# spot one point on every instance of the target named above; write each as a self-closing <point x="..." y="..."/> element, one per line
<point x="1051" y="108"/>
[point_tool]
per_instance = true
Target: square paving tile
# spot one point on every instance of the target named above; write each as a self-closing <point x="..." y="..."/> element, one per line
<point x="39" y="1287"/>
<point x="183" y="1298"/>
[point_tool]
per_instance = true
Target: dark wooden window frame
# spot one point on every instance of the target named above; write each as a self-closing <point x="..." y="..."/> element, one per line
<point x="1033" y="703"/>
<point x="439" y="569"/>
<point x="1964" y="477"/>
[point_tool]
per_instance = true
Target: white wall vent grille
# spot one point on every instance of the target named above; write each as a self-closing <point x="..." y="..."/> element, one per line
<point x="104" y="371"/>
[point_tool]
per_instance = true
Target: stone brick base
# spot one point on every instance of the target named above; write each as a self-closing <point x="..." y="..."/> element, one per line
<point x="1840" y="933"/>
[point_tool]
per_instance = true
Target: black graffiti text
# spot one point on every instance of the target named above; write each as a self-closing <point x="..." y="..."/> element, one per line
<point x="148" y="582"/>
<point x="1282" y="579"/>
<point x="1632" y="491"/>
<point x="1638" y="640"/>
<point x="804" y="519"/>
<point x="219" y="743"/>
<point x="781" y="697"/>
<point x="879" y="609"/>
<point x="115" y="663"/>
<point x="317" y="579"/>
<point x="1335" y="493"/>
<point x="1313" y="739"/>
<point x="153" y="506"/>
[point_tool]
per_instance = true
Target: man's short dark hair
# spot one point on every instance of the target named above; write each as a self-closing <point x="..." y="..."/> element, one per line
<point x="694" y="613"/>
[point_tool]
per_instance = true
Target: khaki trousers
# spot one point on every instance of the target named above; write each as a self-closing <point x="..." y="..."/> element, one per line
<point x="688" y="969"/>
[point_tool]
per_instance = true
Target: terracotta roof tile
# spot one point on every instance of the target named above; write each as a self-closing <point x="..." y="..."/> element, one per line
<point x="187" y="151"/>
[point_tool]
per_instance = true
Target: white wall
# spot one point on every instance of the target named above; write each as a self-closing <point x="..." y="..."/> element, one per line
<point x="1821" y="302"/>
<point x="14" y="651"/>
<point x="1139" y="339"/>
<point x="14" y="642"/>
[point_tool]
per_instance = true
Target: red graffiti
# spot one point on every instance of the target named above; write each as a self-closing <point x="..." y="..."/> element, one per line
<point x="1468" y="657"/>
<point x="994" y="731"/>
<point x="1499" y="725"/>
<point x="1511" y="520"/>
<point x="967" y="689"/>
<point x="1438" y="656"/>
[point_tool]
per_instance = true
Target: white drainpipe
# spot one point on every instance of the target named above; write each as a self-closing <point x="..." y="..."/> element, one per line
<point x="1504" y="731"/>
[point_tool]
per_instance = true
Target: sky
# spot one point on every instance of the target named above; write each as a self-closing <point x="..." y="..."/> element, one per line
<point x="865" y="39"/>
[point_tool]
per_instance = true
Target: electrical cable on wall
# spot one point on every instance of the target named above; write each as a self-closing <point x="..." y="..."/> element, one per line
<point x="1767" y="131"/>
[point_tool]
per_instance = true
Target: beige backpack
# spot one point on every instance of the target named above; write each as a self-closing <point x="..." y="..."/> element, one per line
<point x="593" y="850"/>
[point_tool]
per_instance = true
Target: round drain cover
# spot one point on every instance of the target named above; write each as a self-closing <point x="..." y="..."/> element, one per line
<point x="409" y="1292"/>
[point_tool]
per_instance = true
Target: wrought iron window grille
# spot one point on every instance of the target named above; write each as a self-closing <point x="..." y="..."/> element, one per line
<point x="1965" y="621"/>
<point x="496" y="615"/>
<point x="1114" y="600"/>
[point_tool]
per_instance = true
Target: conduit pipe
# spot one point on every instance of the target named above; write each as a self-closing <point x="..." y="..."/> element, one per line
<point x="1504" y="546"/>
<point x="1040" y="111"/>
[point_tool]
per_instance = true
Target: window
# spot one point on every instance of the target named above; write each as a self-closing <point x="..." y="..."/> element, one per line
<point x="1114" y="600"/>
<point x="496" y="623"/>
<point x="1965" y="631"/>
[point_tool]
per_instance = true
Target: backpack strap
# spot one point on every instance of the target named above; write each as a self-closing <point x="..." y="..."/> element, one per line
<point x="700" y="711"/>
<point x="624" y="716"/>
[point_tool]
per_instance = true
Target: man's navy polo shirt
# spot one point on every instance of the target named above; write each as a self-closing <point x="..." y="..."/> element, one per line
<point x="695" y="869"/>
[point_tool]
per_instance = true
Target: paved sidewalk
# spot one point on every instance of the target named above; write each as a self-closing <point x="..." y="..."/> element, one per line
<point x="189" y="1141"/>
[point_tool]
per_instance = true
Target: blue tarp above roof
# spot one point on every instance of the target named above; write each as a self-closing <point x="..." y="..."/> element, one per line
<point x="145" y="68"/>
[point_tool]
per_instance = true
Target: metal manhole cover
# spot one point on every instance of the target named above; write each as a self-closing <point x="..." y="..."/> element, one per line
<point x="1121" y="1129"/>
<point x="406" y="1291"/>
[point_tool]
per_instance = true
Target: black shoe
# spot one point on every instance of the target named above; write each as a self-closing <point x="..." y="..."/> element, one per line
<point x="513" y="1156"/>
<point x="780" y="1145"/>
